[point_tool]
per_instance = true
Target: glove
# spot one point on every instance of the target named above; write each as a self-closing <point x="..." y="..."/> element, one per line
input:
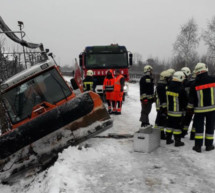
<point x="145" y="101"/>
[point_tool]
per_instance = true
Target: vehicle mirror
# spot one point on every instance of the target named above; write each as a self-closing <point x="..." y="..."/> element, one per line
<point x="74" y="84"/>
<point x="80" y="59"/>
<point x="130" y="59"/>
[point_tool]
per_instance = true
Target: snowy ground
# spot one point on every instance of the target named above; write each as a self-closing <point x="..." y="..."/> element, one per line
<point x="111" y="165"/>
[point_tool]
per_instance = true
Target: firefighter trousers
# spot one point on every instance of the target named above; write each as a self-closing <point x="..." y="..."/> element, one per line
<point x="146" y="109"/>
<point x="209" y="131"/>
<point x="174" y="126"/>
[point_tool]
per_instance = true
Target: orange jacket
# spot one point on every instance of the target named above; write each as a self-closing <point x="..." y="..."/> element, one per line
<point x="108" y="86"/>
<point x="119" y="83"/>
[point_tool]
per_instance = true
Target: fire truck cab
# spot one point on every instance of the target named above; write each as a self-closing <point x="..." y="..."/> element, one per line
<point x="101" y="58"/>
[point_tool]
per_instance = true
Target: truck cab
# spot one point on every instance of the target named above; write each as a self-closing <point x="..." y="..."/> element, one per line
<point x="34" y="91"/>
<point x="100" y="59"/>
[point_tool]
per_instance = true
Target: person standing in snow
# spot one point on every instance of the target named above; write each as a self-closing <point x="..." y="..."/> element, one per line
<point x="176" y="104"/>
<point x="89" y="82"/>
<point x="161" y="105"/>
<point x="193" y="130"/>
<point x="188" y="117"/>
<point x="118" y="92"/>
<point x="108" y="88"/>
<point x="202" y="102"/>
<point x="146" y="95"/>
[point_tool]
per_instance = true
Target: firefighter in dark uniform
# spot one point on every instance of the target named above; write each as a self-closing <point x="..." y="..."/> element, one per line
<point x="176" y="105"/>
<point x="146" y="95"/>
<point x="161" y="105"/>
<point x="89" y="82"/>
<point x="193" y="130"/>
<point x="202" y="101"/>
<point x="188" y="117"/>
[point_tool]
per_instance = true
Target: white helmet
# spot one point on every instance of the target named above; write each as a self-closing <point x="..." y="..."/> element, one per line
<point x="186" y="71"/>
<point x="165" y="74"/>
<point x="171" y="70"/>
<point x="89" y="73"/>
<point x="200" y="68"/>
<point x="147" y="68"/>
<point x="178" y="76"/>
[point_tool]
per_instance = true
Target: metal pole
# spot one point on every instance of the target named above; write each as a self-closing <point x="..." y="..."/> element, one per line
<point x="20" y="24"/>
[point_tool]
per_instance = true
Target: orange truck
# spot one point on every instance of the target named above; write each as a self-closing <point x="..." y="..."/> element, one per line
<point x="45" y="116"/>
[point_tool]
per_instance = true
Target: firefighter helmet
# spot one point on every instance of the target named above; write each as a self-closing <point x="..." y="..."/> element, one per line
<point x="200" y="68"/>
<point x="147" y="68"/>
<point x="165" y="74"/>
<point x="186" y="71"/>
<point x="89" y="73"/>
<point x="178" y="76"/>
<point x="171" y="70"/>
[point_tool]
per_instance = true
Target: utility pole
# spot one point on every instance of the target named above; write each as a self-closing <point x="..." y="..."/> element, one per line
<point x="21" y="25"/>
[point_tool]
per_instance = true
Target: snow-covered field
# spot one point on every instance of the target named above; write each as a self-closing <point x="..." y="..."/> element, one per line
<point x="111" y="166"/>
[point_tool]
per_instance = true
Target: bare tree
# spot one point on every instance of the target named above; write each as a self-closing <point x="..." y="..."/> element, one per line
<point x="209" y="39"/>
<point x="186" y="44"/>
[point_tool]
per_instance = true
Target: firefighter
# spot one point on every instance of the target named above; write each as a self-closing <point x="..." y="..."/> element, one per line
<point x="176" y="103"/>
<point x="146" y="94"/>
<point x="108" y="88"/>
<point x="188" y="117"/>
<point x="89" y="82"/>
<point x="202" y="102"/>
<point x="118" y="92"/>
<point x="193" y="130"/>
<point x="161" y="105"/>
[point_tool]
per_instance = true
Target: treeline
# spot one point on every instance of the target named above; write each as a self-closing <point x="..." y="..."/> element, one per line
<point x="184" y="50"/>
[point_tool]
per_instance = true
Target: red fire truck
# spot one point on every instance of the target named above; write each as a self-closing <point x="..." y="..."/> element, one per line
<point x="101" y="58"/>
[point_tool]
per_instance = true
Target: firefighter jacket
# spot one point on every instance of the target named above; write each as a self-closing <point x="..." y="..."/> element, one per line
<point x="146" y="87"/>
<point x="177" y="99"/>
<point x="160" y="94"/>
<point x="202" y="94"/>
<point x="187" y="84"/>
<point x="119" y="83"/>
<point x="89" y="84"/>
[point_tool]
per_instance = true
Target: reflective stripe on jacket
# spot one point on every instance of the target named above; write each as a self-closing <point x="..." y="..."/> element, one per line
<point x="202" y="94"/>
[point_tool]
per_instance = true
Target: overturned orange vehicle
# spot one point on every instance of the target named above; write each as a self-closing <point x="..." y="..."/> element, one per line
<point x="46" y="116"/>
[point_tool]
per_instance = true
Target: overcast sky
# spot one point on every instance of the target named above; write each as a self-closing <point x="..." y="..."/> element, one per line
<point x="147" y="27"/>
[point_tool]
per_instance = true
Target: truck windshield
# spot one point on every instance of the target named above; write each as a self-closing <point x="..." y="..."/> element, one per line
<point x="20" y="100"/>
<point x="106" y="61"/>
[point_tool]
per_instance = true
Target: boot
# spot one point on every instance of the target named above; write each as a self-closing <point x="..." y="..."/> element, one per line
<point x="178" y="141"/>
<point x="209" y="148"/>
<point x="169" y="138"/>
<point x="109" y="111"/>
<point x="192" y="136"/>
<point x="163" y="135"/>
<point x="197" y="149"/>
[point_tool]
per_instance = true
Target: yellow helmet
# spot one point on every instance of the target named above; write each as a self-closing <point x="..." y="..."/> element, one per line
<point x="186" y="71"/>
<point x="89" y="73"/>
<point x="200" y="68"/>
<point x="171" y="70"/>
<point x="165" y="74"/>
<point x="178" y="76"/>
<point x="147" y="68"/>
